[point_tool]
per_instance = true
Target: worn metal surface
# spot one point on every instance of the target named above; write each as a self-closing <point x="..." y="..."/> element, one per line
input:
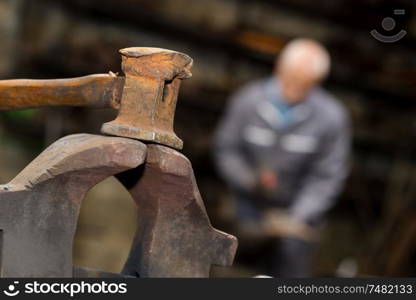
<point x="99" y="90"/>
<point x="174" y="236"/>
<point x="39" y="207"/>
<point x="148" y="103"/>
<point x="146" y="97"/>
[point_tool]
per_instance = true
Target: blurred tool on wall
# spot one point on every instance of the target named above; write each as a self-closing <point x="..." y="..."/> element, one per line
<point x="283" y="146"/>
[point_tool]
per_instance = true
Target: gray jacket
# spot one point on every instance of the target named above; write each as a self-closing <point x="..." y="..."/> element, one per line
<point x="309" y="155"/>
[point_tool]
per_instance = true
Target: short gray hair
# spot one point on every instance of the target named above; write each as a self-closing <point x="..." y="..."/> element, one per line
<point x="302" y="48"/>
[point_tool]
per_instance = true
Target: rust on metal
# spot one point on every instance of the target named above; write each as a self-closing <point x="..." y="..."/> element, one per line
<point x="98" y="90"/>
<point x="174" y="236"/>
<point x="148" y="103"/>
<point x="39" y="207"/>
<point x="146" y="97"/>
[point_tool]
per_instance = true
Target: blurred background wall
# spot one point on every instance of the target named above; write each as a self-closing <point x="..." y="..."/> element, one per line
<point x="372" y="229"/>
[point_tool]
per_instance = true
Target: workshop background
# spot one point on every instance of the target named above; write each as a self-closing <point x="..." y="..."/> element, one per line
<point x="372" y="229"/>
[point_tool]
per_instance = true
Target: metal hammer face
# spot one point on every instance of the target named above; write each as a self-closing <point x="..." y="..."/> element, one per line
<point x="148" y="102"/>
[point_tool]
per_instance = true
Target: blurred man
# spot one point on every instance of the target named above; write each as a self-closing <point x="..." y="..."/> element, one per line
<point x="282" y="146"/>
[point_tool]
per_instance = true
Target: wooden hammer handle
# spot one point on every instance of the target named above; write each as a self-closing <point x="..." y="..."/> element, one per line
<point x="98" y="90"/>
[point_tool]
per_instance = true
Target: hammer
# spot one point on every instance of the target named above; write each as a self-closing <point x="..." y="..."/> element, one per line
<point x="174" y="236"/>
<point x="145" y="97"/>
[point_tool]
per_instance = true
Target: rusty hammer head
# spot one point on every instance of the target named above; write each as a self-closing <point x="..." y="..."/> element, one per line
<point x="148" y="101"/>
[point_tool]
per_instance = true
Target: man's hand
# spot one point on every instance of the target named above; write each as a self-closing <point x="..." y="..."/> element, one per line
<point x="268" y="180"/>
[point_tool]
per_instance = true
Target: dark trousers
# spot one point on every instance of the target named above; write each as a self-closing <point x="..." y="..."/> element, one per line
<point x="283" y="257"/>
<point x="292" y="258"/>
